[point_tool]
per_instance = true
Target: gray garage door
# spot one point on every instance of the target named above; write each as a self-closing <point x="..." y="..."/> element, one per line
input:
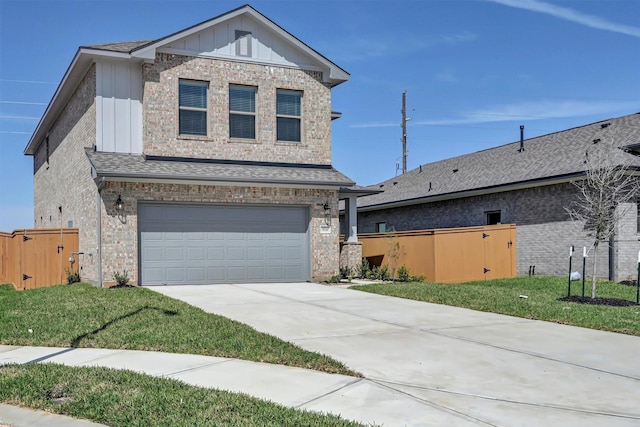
<point x="203" y="244"/>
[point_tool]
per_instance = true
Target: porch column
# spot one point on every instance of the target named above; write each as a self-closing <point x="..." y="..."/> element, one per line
<point x="351" y="218"/>
<point x="351" y="249"/>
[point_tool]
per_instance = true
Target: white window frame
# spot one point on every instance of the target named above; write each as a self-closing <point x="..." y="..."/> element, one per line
<point x="187" y="108"/>
<point x="285" y="116"/>
<point x="244" y="113"/>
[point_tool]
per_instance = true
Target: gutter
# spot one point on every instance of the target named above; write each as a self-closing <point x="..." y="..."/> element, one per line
<point x="101" y="183"/>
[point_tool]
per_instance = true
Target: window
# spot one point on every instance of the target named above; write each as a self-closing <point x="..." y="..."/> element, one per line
<point x="494" y="217"/>
<point x="242" y="112"/>
<point x="288" y="112"/>
<point x="381" y="227"/>
<point x="193" y="107"/>
<point x="243" y="43"/>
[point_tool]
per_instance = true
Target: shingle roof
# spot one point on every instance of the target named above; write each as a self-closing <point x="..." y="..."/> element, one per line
<point x="557" y="155"/>
<point x="133" y="167"/>
<point x="125" y="47"/>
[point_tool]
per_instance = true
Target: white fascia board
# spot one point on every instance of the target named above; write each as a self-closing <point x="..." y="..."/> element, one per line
<point x="336" y="75"/>
<point x="149" y="51"/>
<point x="76" y="71"/>
<point x="65" y="89"/>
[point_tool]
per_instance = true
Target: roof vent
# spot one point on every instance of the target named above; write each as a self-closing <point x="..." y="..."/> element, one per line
<point x="420" y="168"/>
<point x="430" y="188"/>
<point x="595" y="141"/>
<point x="381" y="185"/>
<point x="395" y="182"/>
<point x="605" y="125"/>
<point x="455" y="170"/>
<point x="521" y="139"/>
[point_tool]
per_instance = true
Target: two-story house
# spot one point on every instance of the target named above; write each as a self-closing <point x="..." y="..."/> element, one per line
<point x="201" y="157"/>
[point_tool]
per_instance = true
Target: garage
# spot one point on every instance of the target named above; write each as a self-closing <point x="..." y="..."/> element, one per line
<point x="212" y="244"/>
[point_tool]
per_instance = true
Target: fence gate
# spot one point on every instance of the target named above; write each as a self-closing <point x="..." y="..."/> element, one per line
<point x="36" y="258"/>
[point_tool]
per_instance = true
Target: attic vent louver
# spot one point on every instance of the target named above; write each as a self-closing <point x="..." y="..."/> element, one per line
<point x="605" y="125"/>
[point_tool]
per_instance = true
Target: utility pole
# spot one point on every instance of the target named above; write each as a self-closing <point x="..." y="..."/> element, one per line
<point x="404" y="132"/>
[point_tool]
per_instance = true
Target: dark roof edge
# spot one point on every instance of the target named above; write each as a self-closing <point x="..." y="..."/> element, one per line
<point x="538" y="182"/>
<point x="235" y="162"/>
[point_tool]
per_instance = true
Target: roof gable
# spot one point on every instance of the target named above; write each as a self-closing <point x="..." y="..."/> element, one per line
<point x="266" y="43"/>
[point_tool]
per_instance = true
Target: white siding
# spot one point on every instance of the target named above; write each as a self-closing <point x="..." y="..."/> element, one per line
<point x="119" y="107"/>
<point x="266" y="45"/>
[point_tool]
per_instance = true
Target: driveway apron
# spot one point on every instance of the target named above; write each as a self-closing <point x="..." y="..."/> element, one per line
<point x="429" y="364"/>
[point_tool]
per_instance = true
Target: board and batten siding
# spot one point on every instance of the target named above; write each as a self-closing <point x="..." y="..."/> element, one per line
<point x="219" y="42"/>
<point x="119" y="106"/>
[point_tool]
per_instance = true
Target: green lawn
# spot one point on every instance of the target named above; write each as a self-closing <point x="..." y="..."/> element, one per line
<point x="124" y="398"/>
<point x="81" y="315"/>
<point x="503" y="296"/>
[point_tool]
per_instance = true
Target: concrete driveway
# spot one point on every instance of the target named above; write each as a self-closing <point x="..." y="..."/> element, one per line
<point x="430" y="364"/>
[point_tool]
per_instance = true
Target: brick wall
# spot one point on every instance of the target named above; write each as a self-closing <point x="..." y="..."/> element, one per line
<point x="120" y="231"/>
<point x="544" y="230"/>
<point x="65" y="180"/>
<point x="160" y="104"/>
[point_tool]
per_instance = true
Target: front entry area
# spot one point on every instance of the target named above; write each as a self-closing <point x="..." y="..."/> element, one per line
<point x="213" y="244"/>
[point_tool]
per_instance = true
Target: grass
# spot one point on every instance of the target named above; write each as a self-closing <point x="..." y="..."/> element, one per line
<point x="503" y="296"/>
<point x="81" y="315"/>
<point x="125" y="398"/>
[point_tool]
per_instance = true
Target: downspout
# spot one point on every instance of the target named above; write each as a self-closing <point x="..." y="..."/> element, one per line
<point x="99" y="207"/>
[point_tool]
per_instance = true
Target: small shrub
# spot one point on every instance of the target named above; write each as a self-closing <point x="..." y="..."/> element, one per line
<point x="122" y="279"/>
<point x="334" y="279"/>
<point x="346" y="272"/>
<point x="71" y="276"/>
<point x="365" y="269"/>
<point x="381" y="272"/>
<point x="417" y="278"/>
<point x="403" y="274"/>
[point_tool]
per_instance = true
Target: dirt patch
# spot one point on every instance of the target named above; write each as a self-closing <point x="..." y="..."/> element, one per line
<point x="614" y="302"/>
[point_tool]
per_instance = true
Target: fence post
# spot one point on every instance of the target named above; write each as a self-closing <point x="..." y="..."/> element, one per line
<point x="584" y="269"/>
<point x="569" y="285"/>
<point x="638" y="282"/>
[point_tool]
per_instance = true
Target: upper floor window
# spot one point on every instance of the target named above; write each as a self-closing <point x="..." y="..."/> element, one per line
<point x="381" y="227"/>
<point x="289" y="114"/>
<point x="242" y="112"/>
<point x="243" y="43"/>
<point x="193" y="107"/>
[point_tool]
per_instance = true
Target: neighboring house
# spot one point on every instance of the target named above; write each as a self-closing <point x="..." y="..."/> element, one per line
<point x="527" y="183"/>
<point x="200" y="157"/>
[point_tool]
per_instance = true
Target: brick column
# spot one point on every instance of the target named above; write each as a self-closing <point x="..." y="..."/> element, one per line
<point x="351" y="255"/>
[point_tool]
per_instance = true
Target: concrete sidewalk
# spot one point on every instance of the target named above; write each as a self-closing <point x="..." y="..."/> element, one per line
<point x="288" y="386"/>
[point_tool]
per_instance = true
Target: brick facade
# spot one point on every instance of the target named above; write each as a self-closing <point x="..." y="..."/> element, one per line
<point x="64" y="192"/>
<point x="544" y="230"/>
<point x="120" y="230"/>
<point x="160" y="108"/>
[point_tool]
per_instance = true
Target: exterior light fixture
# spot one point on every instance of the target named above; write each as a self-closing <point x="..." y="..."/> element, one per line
<point x="119" y="204"/>
<point x="327" y="208"/>
<point x="327" y="213"/>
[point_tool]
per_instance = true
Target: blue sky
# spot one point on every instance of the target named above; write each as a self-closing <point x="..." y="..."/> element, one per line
<point x="474" y="70"/>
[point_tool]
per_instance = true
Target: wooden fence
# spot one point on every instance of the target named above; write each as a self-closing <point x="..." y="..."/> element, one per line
<point x="32" y="259"/>
<point x="446" y="255"/>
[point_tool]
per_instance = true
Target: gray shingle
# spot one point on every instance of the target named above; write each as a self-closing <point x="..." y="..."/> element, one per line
<point x="125" y="47"/>
<point x="550" y="156"/>
<point x="132" y="167"/>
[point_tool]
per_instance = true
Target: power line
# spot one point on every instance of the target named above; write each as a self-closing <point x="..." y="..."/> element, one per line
<point x="19" y="118"/>
<point x="28" y="81"/>
<point x="23" y="103"/>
